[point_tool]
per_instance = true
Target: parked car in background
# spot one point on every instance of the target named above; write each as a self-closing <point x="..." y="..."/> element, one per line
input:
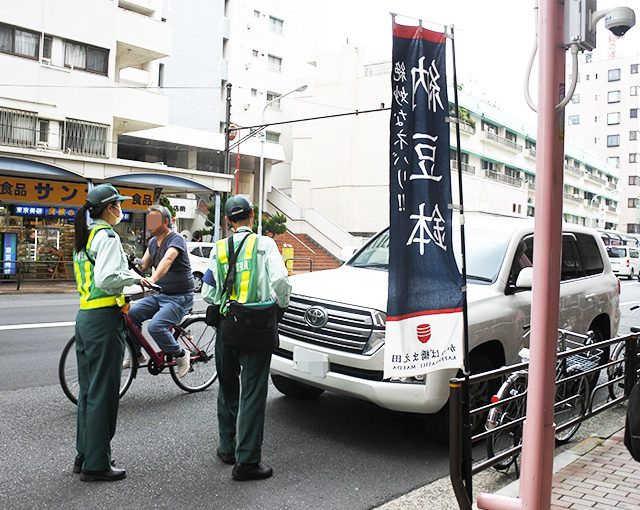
<point x="344" y="352"/>
<point x="624" y="261"/>
<point x="199" y="254"/>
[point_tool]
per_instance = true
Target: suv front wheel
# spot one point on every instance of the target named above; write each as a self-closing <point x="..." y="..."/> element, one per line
<point x="295" y="389"/>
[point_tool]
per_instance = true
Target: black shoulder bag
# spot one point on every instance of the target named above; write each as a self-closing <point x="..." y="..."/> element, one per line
<point x="248" y="328"/>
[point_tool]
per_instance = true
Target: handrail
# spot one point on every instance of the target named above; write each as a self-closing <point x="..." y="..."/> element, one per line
<point x="298" y="259"/>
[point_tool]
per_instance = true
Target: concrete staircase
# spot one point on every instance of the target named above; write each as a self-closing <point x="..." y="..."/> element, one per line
<point x="306" y="248"/>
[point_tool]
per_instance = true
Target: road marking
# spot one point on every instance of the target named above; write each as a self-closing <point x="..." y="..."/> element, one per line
<point x="37" y="325"/>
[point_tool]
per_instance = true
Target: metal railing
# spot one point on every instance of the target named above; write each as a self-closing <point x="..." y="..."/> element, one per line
<point x="469" y="169"/>
<point x="489" y="135"/>
<point x="293" y="260"/>
<point x="462" y="465"/>
<point x="507" y="179"/>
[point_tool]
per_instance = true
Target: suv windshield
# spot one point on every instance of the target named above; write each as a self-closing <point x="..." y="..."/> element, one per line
<point x="485" y="253"/>
<point x="616" y="253"/>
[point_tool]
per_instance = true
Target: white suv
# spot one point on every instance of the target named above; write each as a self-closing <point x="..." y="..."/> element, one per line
<point x="624" y="261"/>
<point x="346" y="354"/>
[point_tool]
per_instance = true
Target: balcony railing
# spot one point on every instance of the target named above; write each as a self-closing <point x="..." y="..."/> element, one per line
<point x="469" y="169"/>
<point x="612" y="208"/>
<point x="531" y="152"/>
<point x="467" y="128"/>
<point x="489" y="135"/>
<point x="573" y="198"/>
<point x="597" y="179"/>
<point x="496" y="176"/>
<point x="572" y="170"/>
<point x="612" y="185"/>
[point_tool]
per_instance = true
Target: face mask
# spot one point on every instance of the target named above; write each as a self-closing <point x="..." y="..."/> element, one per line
<point x="119" y="217"/>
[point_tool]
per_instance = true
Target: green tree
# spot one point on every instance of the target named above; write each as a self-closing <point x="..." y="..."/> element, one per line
<point x="166" y="203"/>
<point x="272" y="225"/>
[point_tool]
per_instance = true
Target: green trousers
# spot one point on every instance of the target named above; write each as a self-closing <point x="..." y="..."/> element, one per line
<point x="100" y="343"/>
<point x="242" y="398"/>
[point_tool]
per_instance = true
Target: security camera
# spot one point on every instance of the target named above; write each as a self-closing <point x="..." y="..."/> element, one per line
<point x="619" y="20"/>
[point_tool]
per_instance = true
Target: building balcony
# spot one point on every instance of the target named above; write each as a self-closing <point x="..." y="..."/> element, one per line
<point x="573" y="198"/>
<point x="142" y="106"/>
<point x="466" y="168"/>
<point x="531" y="186"/>
<point x="596" y="179"/>
<point x="497" y="176"/>
<point x="467" y="128"/>
<point x="488" y="135"/>
<point x="140" y="39"/>
<point x="572" y="170"/>
<point x="530" y="152"/>
<point x="612" y="208"/>
<point x="146" y="7"/>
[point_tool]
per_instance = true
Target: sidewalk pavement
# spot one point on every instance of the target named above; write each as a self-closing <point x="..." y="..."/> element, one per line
<point x="38" y="287"/>
<point x="597" y="473"/>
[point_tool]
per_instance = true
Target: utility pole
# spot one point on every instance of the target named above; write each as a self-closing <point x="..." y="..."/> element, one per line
<point x="227" y="159"/>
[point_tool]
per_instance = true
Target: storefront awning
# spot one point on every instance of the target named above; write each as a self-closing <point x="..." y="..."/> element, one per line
<point x="27" y="167"/>
<point x="158" y="180"/>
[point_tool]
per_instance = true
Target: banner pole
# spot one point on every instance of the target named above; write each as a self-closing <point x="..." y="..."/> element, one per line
<point x="466" y="433"/>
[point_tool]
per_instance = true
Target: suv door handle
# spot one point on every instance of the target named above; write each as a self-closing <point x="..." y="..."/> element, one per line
<point x="589" y="297"/>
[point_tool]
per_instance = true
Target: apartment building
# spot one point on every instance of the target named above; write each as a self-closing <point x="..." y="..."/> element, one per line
<point x="604" y="114"/>
<point x="341" y="167"/>
<point x="78" y="75"/>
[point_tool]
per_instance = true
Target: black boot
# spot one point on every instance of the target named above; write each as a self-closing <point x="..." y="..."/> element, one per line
<point x="244" y="472"/>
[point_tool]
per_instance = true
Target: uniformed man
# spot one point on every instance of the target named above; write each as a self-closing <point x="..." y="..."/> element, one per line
<point x="101" y="272"/>
<point x="243" y="375"/>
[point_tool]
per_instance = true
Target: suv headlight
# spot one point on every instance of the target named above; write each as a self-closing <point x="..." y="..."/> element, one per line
<point x="376" y="340"/>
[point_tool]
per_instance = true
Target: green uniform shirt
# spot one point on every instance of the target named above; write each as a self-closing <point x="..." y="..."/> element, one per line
<point x="269" y="272"/>
<point x="111" y="272"/>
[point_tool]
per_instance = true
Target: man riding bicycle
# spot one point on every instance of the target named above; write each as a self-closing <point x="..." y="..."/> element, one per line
<point x="168" y="255"/>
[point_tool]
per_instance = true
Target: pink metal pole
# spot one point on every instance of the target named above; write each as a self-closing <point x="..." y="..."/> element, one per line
<point x="539" y="428"/>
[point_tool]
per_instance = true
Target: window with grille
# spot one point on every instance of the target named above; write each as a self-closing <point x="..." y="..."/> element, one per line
<point x="85" y="138"/>
<point x="275" y="25"/>
<point x="272" y="136"/>
<point x="613" y="140"/>
<point x="18" y="127"/>
<point x="273" y="100"/>
<point x="614" y="74"/>
<point x="614" y="96"/>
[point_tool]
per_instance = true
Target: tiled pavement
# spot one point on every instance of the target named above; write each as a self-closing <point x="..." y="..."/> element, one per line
<point x="604" y="478"/>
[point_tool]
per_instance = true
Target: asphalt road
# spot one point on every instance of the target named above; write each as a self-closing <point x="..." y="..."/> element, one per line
<point x="333" y="453"/>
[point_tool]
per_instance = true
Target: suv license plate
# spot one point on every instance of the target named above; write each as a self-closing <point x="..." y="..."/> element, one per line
<point x="310" y="362"/>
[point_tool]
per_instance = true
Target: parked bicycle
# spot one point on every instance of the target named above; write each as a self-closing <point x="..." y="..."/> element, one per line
<point x="571" y="400"/>
<point x="615" y="371"/>
<point x="193" y="335"/>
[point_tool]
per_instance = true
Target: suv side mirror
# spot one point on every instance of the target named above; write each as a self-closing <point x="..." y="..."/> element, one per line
<point x="525" y="278"/>
<point x="347" y="252"/>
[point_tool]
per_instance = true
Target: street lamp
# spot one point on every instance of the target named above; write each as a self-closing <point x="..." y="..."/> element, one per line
<point x="262" y="140"/>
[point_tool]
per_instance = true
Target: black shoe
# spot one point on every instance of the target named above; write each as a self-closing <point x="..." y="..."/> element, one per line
<point x="244" y="472"/>
<point x="77" y="464"/>
<point x="108" y="475"/>
<point x="227" y="458"/>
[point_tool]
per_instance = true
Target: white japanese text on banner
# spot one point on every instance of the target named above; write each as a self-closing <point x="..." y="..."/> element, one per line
<point x="424" y="310"/>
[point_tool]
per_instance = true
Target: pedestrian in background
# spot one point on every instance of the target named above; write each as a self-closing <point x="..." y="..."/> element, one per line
<point x="261" y="282"/>
<point x="101" y="272"/>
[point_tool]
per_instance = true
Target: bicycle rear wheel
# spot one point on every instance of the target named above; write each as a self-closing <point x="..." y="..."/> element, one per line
<point x="199" y="340"/>
<point x="506" y="439"/>
<point x="571" y="403"/>
<point x="68" y="371"/>
<point x="616" y="388"/>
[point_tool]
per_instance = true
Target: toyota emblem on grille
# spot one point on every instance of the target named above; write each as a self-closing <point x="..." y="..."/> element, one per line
<point x="316" y="317"/>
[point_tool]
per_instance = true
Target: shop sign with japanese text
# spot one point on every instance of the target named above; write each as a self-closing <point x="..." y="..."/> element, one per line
<point x="42" y="192"/>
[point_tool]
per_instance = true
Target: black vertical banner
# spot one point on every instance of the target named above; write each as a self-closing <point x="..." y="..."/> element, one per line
<point x="424" y="309"/>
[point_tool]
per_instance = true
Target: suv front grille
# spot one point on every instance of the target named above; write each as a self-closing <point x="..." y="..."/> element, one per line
<point x="347" y="329"/>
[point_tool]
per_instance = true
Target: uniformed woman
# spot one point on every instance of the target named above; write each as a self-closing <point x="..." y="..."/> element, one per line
<point x="101" y="272"/>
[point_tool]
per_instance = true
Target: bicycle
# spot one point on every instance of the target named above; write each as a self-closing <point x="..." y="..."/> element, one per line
<point x="615" y="372"/>
<point x="192" y="334"/>
<point x="571" y="400"/>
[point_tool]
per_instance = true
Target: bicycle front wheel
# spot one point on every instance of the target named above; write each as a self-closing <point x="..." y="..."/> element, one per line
<point x="571" y="403"/>
<point x="199" y="340"/>
<point x="68" y="371"/>
<point x="511" y="411"/>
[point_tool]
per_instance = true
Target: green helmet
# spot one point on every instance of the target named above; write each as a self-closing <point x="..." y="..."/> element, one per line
<point x="236" y="205"/>
<point x="104" y="194"/>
